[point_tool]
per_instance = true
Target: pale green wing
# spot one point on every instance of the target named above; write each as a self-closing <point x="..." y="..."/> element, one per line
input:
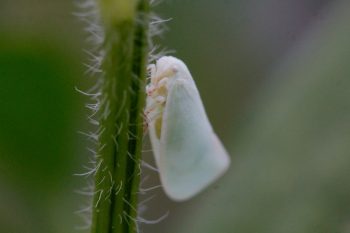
<point x="191" y="156"/>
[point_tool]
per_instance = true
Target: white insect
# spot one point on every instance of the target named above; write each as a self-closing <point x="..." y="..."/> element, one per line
<point x="187" y="152"/>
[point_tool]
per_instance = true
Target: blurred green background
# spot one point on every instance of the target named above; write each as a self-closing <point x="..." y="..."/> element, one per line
<point x="275" y="80"/>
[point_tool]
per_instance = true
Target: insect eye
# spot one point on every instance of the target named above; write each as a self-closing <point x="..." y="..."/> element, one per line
<point x="174" y="69"/>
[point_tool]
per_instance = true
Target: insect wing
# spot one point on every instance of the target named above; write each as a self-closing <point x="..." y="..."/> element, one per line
<point x="190" y="154"/>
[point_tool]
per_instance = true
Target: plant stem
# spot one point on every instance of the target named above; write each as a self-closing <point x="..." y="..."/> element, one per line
<point x="125" y="24"/>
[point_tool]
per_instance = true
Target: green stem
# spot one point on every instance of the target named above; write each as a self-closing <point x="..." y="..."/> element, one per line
<point x="120" y="135"/>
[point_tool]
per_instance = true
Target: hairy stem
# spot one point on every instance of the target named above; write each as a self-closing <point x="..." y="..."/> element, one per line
<point x="125" y="26"/>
